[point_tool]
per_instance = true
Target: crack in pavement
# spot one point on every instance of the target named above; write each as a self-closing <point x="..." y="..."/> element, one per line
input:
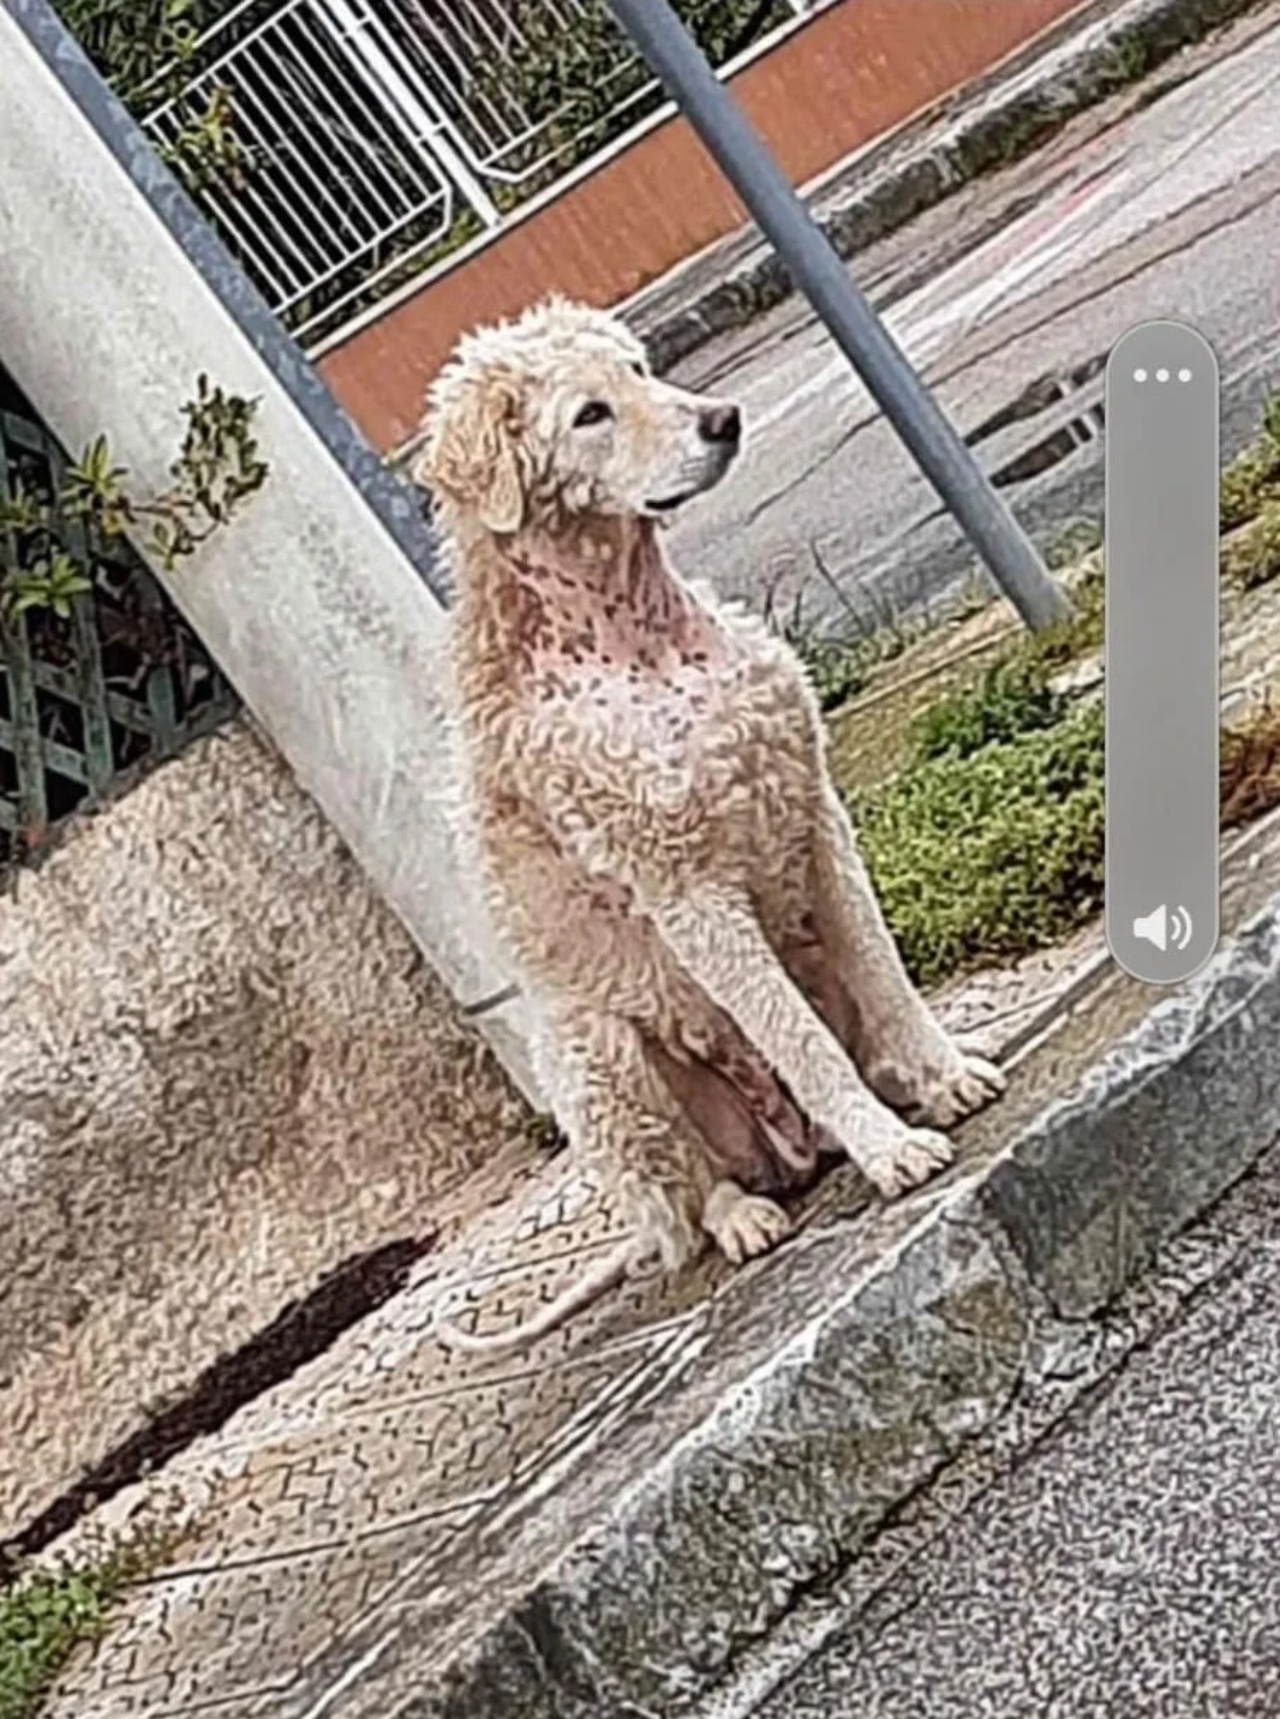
<point x="300" y="1332"/>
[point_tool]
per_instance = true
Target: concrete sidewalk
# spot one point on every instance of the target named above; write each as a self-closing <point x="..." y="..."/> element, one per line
<point x="1095" y="54"/>
<point x="394" y="1524"/>
<point x="606" y="1527"/>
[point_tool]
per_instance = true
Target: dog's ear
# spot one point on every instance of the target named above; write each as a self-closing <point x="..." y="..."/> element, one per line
<point x="473" y="451"/>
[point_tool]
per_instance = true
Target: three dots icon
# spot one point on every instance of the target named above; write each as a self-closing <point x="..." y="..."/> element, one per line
<point x="1140" y="375"/>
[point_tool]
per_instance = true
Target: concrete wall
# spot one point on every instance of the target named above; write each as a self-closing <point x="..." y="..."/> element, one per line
<point x="224" y="1069"/>
<point x="848" y="75"/>
<point x="113" y="298"/>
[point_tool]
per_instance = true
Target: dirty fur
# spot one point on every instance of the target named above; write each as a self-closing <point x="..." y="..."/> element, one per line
<point x="719" y="1000"/>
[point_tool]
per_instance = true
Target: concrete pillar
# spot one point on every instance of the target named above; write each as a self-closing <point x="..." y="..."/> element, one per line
<point x="322" y="600"/>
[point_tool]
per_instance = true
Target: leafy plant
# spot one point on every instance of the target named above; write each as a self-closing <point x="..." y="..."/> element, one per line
<point x="208" y="150"/>
<point x="1252" y="557"/>
<point x="133" y="42"/>
<point x="43" y="1616"/>
<point x="1253" y="478"/>
<point x="991" y="854"/>
<point x="146" y="50"/>
<point x="50" y="582"/>
<point x="216" y="470"/>
<point x="1011" y="697"/>
<point x="1080" y="633"/>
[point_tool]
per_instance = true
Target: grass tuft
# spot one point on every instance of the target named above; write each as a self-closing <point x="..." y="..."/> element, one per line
<point x="1012" y="696"/>
<point x="1253" y="478"/>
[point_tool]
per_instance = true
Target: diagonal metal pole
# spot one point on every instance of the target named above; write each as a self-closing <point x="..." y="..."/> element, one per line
<point x="930" y="436"/>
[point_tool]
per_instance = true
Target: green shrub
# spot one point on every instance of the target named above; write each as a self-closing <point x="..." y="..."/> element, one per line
<point x="1253" y="557"/>
<point x="991" y="854"/>
<point x="1011" y="697"/>
<point x="1253" y="477"/>
<point x="838" y="668"/>
<point x="1075" y="637"/>
<point x="130" y="41"/>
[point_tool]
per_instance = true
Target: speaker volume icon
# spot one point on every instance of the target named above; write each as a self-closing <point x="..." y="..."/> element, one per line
<point x="1165" y="926"/>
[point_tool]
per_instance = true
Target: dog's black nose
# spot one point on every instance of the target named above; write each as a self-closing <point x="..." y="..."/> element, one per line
<point x="721" y="424"/>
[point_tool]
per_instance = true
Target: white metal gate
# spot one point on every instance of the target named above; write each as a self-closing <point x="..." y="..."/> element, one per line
<point x="371" y="138"/>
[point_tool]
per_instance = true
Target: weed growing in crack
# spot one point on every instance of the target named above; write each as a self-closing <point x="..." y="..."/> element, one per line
<point x="47" y="1612"/>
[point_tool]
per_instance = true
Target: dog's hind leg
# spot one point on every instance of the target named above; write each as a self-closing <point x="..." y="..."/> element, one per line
<point x="715" y="935"/>
<point x="743" y="1225"/>
<point x="627" y="1129"/>
<point x="900" y="1046"/>
<point x="625" y="1125"/>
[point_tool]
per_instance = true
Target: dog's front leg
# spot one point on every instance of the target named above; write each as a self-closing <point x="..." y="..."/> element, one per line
<point x="902" y="1048"/>
<point x="715" y="936"/>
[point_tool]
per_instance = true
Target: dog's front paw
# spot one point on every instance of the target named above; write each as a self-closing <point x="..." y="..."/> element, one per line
<point x="966" y="1084"/>
<point x="743" y="1225"/>
<point x="910" y="1158"/>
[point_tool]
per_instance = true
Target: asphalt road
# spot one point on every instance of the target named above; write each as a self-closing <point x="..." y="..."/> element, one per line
<point x="1173" y="211"/>
<point x="1128" y="1568"/>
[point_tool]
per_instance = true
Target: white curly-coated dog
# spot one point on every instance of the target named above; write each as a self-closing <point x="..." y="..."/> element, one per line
<point x="720" y="1000"/>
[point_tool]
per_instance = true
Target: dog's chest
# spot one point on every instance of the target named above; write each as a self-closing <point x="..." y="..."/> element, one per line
<point x="712" y="727"/>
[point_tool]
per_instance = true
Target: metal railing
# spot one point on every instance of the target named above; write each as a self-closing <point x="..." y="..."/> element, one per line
<point x="342" y="147"/>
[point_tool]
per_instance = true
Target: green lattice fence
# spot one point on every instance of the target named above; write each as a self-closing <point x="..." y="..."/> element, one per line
<point x="88" y="703"/>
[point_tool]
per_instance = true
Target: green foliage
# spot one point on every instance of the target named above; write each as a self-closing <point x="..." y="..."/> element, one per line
<point x="1252" y="558"/>
<point x="49" y="582"/>
<point x="989" y="844"/>
<point x="132" y="41"/>
<point x="1253" y="478"/>
<point x="576" y="82"/>
<point x="1077" y="636"/>
<point x="217" y="469"/>
<point x="992" y="853"/>
<point x="208" y="150"/>
<point x="145" y="51"/>
<point x="1011" y="697"/>
<point x="838" y="668"/>
<point x="42" y="1618"/>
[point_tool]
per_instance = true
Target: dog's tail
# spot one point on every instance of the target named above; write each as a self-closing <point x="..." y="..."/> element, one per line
<point x="606" y="1274"/>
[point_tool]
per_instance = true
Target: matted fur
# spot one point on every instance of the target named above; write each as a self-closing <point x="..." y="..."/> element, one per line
<point x="662" y="850"/>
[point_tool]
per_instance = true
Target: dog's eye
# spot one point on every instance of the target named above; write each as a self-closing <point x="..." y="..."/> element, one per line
<point x="639" y="369"/>
<point x="594" y="412"/>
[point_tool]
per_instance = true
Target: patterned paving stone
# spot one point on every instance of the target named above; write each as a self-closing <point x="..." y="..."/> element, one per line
<point x="212" y="1641"/>
<point x="377" y="1467"/>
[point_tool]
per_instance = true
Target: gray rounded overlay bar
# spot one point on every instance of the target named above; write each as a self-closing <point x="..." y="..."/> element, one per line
<point x="1162" y="704"/>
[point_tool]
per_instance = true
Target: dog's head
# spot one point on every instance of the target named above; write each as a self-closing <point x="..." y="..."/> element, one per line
<point x="557" y="413"/>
